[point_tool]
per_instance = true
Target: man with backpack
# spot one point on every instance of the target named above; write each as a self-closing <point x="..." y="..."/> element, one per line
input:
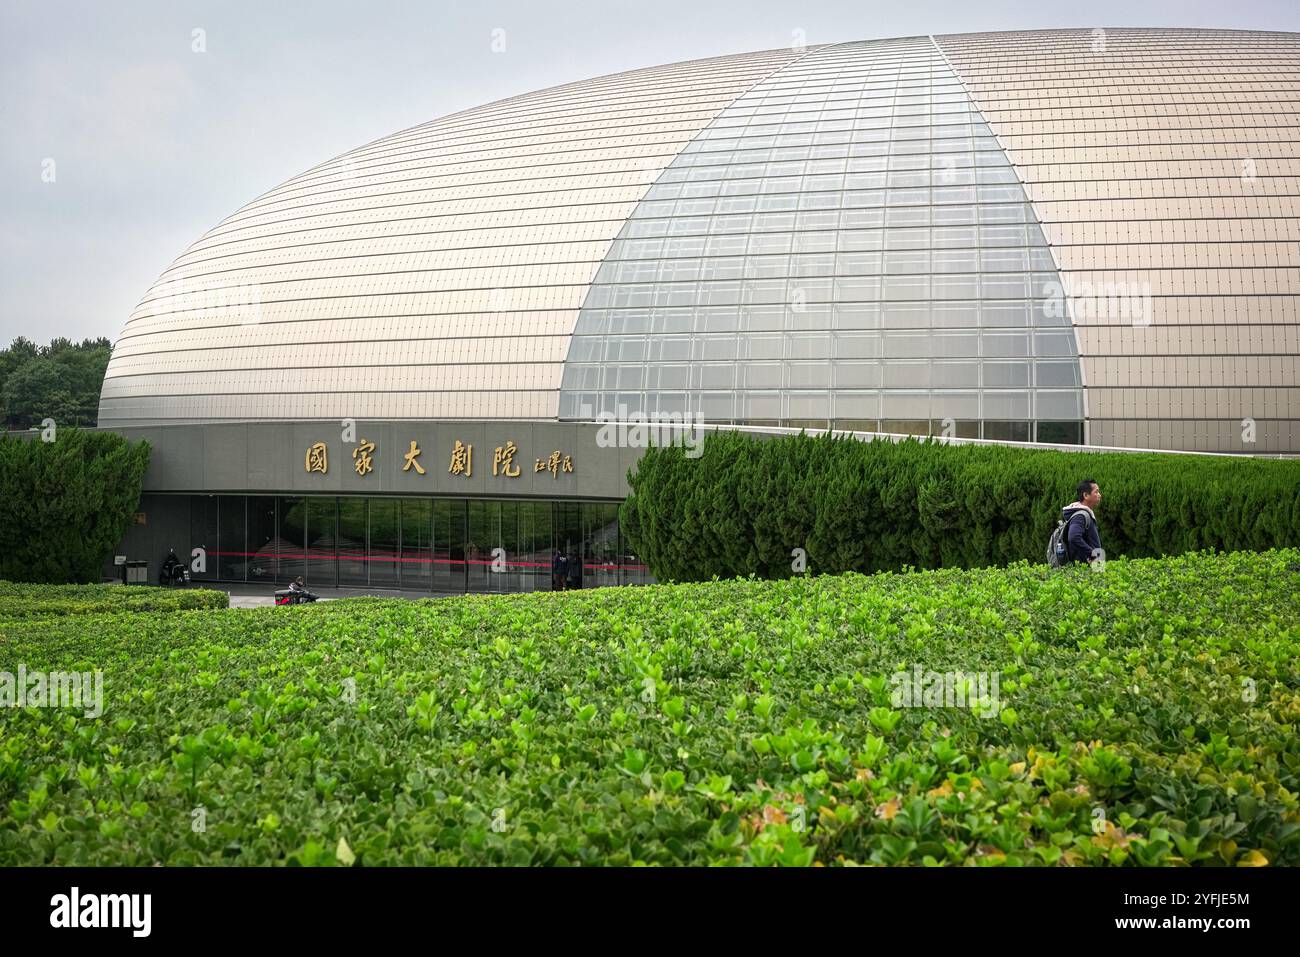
<point x="1076" y="538"/>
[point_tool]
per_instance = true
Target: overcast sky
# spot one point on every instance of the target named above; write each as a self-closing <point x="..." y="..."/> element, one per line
<point x="153" y="143"/>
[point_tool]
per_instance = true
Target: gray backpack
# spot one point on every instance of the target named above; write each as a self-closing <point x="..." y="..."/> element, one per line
<point x="1058" y="550"/>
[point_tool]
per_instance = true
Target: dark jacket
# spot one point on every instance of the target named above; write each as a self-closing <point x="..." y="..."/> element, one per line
<point x="1081" y="535"/>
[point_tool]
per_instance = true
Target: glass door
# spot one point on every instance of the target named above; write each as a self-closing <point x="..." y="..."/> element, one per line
<point x="292" y="559"/>
<point x="322" y="536"/>
<point x="567" y="542"/>
<point x="352" y="542"/>
<point x="415" y="565"/>
<point x="385" y="542"/>
<point x="449" y="546"/>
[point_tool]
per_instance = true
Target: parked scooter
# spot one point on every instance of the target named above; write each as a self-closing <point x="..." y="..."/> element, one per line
<point x="288" y="597"/>
<point x="173" y="571"/>
<point x="295" y="594"/>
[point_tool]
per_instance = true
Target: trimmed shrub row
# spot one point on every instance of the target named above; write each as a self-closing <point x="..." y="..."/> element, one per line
<point x="31" y="601"/>
<point x="746" y="503"/>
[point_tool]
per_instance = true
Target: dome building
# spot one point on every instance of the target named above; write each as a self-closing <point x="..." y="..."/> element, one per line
<point x="1074" y="237"/>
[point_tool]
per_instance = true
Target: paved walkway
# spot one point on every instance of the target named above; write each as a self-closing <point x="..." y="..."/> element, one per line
<point x="260" y="596"/>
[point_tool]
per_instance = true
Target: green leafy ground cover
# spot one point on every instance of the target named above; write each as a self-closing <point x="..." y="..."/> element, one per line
<point x="1147" y="716"/>
<point x="26" y="601"/>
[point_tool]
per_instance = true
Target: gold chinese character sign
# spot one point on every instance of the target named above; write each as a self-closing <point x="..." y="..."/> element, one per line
<point x="555" y="463"/>
<point x="462" y="460"/>
<point x="362" y="453"/>
<point x="504" y="459"/>
<point x="411" y="456"/>
<point x="318" y="459"/>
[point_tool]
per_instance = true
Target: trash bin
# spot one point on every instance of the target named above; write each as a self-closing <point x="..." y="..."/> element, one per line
<point x="136" y="573"/>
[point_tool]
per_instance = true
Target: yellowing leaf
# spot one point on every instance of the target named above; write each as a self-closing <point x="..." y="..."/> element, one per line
<point x="1112" y="836"/>
<point x="344" y="853"/>
<point x="943" y="790"/>
<point x="1253" y="859"/>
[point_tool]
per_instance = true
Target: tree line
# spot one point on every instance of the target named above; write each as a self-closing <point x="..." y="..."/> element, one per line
<point x="59" y="381"/>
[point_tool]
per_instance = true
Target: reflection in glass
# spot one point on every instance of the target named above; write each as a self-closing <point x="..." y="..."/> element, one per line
<point x="449" y="553"/>
<point x="1007" y="431"/>
<point x="445" y="545"/>
<point x="204" y="535"/>
<point x="292" y="560"/>
<point x="262" y="542"/>
<point x="384" y="538"/>
<point x="535" y="545"/>
<point x="600" y="545"/>
<point x="416" y="563"/>
<point x="352" y="542"/>
<point x="232" y="563"/>
<point x="484" y="535"/>
<point x="567" y="539"/>
<point x="322" y="562"/>
<point x="1063" y="433"/>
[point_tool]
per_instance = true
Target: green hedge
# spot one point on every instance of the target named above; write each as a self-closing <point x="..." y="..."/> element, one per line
<point x="65" y="504"/>
<point x="745" y="503"/>
<point x="32" y="601"/>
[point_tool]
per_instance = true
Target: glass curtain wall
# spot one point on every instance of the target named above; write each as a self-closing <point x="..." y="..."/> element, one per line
<point x="322" y="561"/>
<point x="439" y="545"/>
<point x="450" y="552"/>
<point x="567" y="540"/>
<point x="204" y="534"/>
<point x="535" y="535"/>
<point x="846" y="244"/>
<point x="232" y="546"/>
<point x="415" y="564"/>
<point x="385" y="542"/>
<point x="600" y="545"/>
<point x="263" y="546"/>
<point x="484" y="537"/>
<point x="292" y="559"/>
<point x="352" y="542"/>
